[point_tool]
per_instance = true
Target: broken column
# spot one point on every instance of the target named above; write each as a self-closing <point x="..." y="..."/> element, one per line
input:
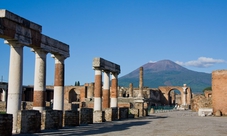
<point x="184" y="98"/>
<point x="15" y="80"/>
<point x="39" y="80"/>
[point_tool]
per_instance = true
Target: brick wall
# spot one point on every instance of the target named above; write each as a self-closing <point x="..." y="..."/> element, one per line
<point x="219" y="91"/>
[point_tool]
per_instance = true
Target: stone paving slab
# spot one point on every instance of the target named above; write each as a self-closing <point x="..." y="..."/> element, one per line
<point x="176" y="123"/>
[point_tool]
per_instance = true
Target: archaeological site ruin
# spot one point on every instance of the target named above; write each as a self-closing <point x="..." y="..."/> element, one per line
<point x="31" y="109"/>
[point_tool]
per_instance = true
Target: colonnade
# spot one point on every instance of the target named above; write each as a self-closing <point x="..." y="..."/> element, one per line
<point x="17" y="33"/>
<point x="104" y="97"/>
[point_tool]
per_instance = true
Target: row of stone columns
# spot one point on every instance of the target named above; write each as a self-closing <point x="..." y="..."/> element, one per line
<point x="103" y="98"/>
<point x="16" y="75"/>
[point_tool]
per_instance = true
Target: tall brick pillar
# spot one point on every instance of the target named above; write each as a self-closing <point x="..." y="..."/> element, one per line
<point x="15" y="80"/>
<point x="98" y="90"/>
<point x="39" y="80"/>
<point x="219" y="91"/>
<point x="106" y="90"/>
<point x="59" y="83"/>
<point x="114" y="92"/>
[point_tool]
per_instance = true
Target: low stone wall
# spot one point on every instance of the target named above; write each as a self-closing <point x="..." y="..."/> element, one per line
<point x="51" y="119"/>
<point x="86" y="116"/>
<point x="6" y="121"/>
<point x="29" y="121"/>
<point x="71" y="118"/>
<point x="123" y="113"/>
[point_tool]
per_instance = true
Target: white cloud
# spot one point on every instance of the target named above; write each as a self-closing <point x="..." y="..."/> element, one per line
<point x="202" y="62"/>
<point x="152" y="61"/>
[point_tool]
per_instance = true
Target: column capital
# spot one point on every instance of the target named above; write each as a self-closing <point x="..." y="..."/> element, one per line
<point x="14" y="43"/>
<point x="58" y="57"/>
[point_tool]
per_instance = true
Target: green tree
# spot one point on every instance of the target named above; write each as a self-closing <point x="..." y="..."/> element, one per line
<point x="207" y="88"/>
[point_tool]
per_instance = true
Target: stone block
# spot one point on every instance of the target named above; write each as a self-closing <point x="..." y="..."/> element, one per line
<point x="98" y="116"/>
<point x="6" y="121"/>
<point x="205" y="111"/>
<point x="123" y="113"/>
<point x="135" y="112"/>
<point x="51" y="119"/>
<point x="86" y="116"/>
<point x="29" y="121"/>
<point x="111" y="114"/>
<point x="140" y="106"/>
<point x="71" y="118"/>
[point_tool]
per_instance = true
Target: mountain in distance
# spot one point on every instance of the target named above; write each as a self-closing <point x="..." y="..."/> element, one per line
<point x="167" y="73"/>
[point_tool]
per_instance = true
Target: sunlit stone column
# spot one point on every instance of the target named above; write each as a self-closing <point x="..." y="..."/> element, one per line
<point x="3" y="95"/>
<point x="15" y="80"/>
<point x="184" y="100"/>
<point x="106" y="90"/>
<point x="141" y="83"/>
<point x="39" y="80"/>
<point x="98" y="90"/>
<point x="114" y="92"/>
<point x="58" y="103"/>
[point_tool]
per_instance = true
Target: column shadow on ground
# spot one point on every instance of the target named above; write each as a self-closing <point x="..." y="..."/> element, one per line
<point x="97" y="128"/>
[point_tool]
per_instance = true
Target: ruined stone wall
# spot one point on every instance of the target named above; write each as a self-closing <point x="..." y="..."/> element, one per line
<point x="200" y="101"/>
<point x="6" y="121"/>
<point x="51" y="119"/>
<point x="71" y="118"/>
<point x="219" y="91"/>
<point x="29" y="121"/>
<point x="86" y="116"/>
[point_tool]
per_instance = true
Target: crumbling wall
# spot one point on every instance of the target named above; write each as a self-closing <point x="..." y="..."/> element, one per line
<point x="200" y="101"/>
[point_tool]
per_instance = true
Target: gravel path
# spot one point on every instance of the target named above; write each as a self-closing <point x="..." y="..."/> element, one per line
<point x="176" y="123"/>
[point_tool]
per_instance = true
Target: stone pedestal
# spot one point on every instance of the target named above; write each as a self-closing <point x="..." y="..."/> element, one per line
<point x="139" y="104"/>
<point x="51" y="119"/>
<point x="135" y="112"/>
<point x="111" y="114"/>
<point x="98" y="116"/>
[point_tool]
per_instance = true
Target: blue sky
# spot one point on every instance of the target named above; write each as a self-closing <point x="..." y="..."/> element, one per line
<point x="192" y="33"/>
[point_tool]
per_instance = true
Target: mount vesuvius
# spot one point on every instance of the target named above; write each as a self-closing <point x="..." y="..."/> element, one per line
<point x="167" y="73"/>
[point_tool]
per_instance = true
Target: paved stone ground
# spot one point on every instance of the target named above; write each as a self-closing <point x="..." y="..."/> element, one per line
<point x="176" y="123"/>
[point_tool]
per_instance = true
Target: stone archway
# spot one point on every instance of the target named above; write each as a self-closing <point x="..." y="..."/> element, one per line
<point x="185" y="92"/>
<point x="73" y="96"/>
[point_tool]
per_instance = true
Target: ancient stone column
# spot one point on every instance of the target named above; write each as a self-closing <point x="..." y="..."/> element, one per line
<point x="15" y="80"/>
<point x="98" y="90"/>
<point x="141" y="83"/>
<point x="184" y="100"/>
<point x="131" y="90"/>
<point x="106" y="90"/>
<point x="39" y="80"/>
<point x="58" y="103"/>
<point x="3" y="95"/>
<point x="114" y="92"/>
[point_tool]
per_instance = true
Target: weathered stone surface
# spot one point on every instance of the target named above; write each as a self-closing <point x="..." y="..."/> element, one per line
<point x="140" y="107"/>
<point x="205" y="111"/>
<point x="3" y="106"/>
<point x="71" y="118"/>
<point x="218" y="113"/>
<point x="86" y="116"/>
<point x="51" y="119"/>
<point x="6" y="121"/>
<point x="111" y="114"/>
<point x="98" y="117"/>
<point x="29" y="121"/>
<point x="200" y="101"/>
<point x="123" y="113"/>
<point x="106" y="65"/>
<point x="134" y="111"/>
<point x="219" y="91"/>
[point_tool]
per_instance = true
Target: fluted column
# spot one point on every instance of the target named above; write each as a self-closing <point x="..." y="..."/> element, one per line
<point x="58" y="103"/>
<point x="98" y="90"/>
<point x="114" y="92"/>
<point x="15" y="80"/>
<point x="39" y="80"/>
<point x="106" y="90"/>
